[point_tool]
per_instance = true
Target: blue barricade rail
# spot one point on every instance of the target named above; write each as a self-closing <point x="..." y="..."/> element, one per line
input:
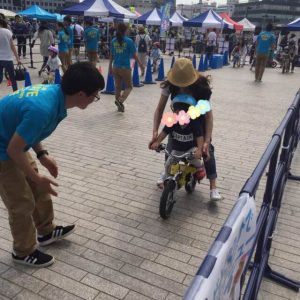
<point x="222" y="273"/>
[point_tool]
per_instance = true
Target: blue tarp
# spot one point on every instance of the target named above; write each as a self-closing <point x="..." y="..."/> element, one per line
<point x="38" y="13"/>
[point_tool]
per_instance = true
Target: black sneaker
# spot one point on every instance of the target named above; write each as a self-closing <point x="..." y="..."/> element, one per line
<point x="36" y="259"/>
<point x="58" y="233"/>
<point x="120" y="106"/>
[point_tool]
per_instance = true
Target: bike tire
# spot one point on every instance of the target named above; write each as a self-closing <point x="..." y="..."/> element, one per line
<point x="166" y="200"/>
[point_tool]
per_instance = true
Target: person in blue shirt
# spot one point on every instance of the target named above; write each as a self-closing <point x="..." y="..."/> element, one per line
<point x="63" y="45"/>
<point x="91" y="37"/>
<point x="27" y="117"/>
<point x="264" y="44"/>
<point x="122" y="50"/>
<point x="70" y="30"/>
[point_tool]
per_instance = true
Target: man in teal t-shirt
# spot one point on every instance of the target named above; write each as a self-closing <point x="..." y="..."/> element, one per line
<point x="27" y="117"/>
<point x="264" y="44"/>
<point x="91" y="37"/>
<point x="69" y="28"/>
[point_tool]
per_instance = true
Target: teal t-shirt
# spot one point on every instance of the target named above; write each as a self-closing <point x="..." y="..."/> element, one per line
<point x="33" y="112"/>
<point x="265" y="40"/>
<point x="122" y="53"/>
<point x="63" y="41"/>
<point x="91" y="37"/>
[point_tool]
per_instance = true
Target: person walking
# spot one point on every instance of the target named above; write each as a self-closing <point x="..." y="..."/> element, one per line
<point x="265" y="43"/>
<point x="211" y="43"/>
<point x="63" y="45"/>
<point x="122" y="50"/>
<point x="142" y="41"/>
<point x="46" y="39"/>
<point x="70" y="31"/>
<point x="91" y="39"/>
<point x="27" y="117"/>
<point x="78" y="35"/>
<point x="6" y="50"/>
<point x="184" y="79"/>
<point x="20" y="31"/>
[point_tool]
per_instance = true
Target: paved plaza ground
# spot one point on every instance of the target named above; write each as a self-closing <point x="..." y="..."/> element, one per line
<point x="121" y="249"/>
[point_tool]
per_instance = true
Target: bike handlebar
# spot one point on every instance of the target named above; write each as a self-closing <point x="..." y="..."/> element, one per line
<point x="186" y="155"/>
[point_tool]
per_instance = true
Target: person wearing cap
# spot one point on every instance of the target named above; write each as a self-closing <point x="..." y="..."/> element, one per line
<point x="143" y="42"/>
<point x="187" y="137"/>
<point x="184" y="79"/>
<point x="27" y="117"/>
<point x="52" y="64"/>
<point x="46" y="37"/>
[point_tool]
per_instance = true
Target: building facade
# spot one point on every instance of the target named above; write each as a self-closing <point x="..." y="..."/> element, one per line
<point x="193" y="10"/>
<point x="49" y="5"/>
<point x="268" y="11"/>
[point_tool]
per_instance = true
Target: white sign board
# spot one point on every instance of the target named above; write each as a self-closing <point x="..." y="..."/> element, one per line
<point x="219" y="275"/>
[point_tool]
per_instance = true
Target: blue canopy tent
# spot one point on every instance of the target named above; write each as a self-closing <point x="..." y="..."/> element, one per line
<point x="99" y="8"/>
<point x="208" y="19"/>
<point x="152" y="17"/>
<point x="38" y="13"/>
<point x="294" y="26"/>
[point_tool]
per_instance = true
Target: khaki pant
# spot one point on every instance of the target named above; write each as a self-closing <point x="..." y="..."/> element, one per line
<point x="64" y="57"/>
<point x="119" y="76"/>
<point x="92" y="57"/>
<point x="260" y="65"/>
<point x="29" y="208"/>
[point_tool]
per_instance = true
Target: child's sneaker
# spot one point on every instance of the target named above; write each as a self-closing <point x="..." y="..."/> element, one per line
<point x="161" y="180"/>
<point x="200" y="174"/>
<point x="58" y="233"/>
<point x="215" y="195"/>
<point x="36" y="259"/>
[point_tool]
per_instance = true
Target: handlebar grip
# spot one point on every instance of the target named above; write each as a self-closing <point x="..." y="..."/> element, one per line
<point x="161" y="147"/>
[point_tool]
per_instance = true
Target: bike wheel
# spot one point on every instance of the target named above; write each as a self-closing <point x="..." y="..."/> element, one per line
<point x="167" y="200"/>
<point x="190" y="185"/>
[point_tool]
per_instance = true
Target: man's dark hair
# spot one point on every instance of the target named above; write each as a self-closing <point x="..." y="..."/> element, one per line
<point x="88" y="22"/>
<point x="269" y="27"/>
<point x="68" y="19"/>
<point x="82" y="77"/>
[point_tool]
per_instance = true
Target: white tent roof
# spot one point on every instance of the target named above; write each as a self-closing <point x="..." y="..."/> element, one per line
<point x="152" y="17"/>
<point x="7" y="13"/>
<point x="248" y="26"/>
<point x="177" y="19"/>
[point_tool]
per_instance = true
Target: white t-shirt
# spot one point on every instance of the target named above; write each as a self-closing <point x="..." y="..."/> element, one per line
<point x="79" y="29"/>
<point x="54" y="63"/>
<point x="212" y="39"/>
<point x="5" y="49"/>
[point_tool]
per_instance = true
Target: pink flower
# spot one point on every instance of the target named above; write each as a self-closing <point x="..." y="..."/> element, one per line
<point x="183" y="118"/>
<point x="169" y="119"/>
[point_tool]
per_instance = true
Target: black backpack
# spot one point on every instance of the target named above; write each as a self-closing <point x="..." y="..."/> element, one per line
<point x="142" y="48"/>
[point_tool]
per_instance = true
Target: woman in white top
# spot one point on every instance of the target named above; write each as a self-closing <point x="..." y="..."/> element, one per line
<point x="46" y="37"/>
<point x="6" y="50"/>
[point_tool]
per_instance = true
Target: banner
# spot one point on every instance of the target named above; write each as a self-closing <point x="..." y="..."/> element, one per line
<point x="165" y="17"/>
<point x="219" y="275"/>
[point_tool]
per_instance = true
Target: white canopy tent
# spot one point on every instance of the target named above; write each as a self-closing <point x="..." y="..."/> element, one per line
<point x="248" y="26"/>
<point x="7" y="13"/>
<point x="177" y="19"/>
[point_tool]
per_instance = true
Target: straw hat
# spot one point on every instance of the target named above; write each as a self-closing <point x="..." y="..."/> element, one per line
<point x="182" y="73"/>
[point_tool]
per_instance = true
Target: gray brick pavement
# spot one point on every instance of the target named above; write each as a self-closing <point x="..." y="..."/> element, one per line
<point x="122" y="249"/>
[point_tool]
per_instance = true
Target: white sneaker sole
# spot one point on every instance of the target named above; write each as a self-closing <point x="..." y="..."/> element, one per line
<point x="54" y="239"/>
<point x="24" y="263"/>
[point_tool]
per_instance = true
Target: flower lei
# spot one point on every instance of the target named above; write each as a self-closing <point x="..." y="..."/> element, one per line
<point x="169" y="118"/>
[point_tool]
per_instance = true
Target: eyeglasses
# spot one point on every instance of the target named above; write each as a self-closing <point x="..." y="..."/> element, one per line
<point x="97" y="97"/>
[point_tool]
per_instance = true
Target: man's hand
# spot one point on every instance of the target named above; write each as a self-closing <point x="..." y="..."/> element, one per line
<point x="50" y="164"/>
<point x="198" y="153"/>
<point x="205" y="151"/>
<point x="154" y="137"/>
<point x="45" y="184"/>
